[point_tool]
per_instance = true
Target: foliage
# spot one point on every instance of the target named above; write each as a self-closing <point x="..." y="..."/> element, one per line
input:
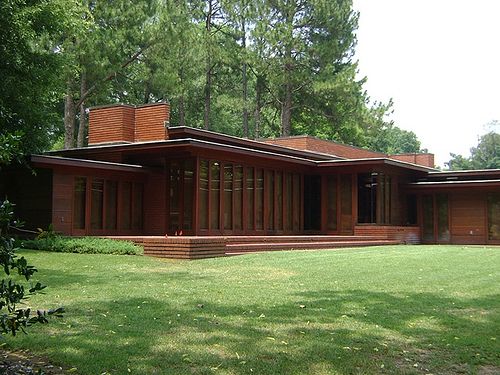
<point x="13" y="292"/>
<point x="485" y="156"/>
<point x="390" y="310"/>
<point x="247" y="68"/>
<point x="82" y="245"/>
<point x="30" y="71"/>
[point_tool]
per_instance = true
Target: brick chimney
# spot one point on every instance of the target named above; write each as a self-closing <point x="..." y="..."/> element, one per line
<point x="122" y="123"/>
<point x="425" y="159"/>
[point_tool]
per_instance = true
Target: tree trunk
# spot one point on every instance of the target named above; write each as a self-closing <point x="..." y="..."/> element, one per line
<point x="208" y="88"/>
<point x="83" y="116"/>
<point x="208" y="67"/>
<point x="69" y="118"/>
<point x="259" y="88"/>
<point x="287" y="101"/>
<point x="182" y="111"/>
<point x="286" y="111"/>
<point x="244" y="78"/>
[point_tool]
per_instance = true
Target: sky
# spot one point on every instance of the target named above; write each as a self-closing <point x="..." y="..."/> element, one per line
<point x="439" y="60"/>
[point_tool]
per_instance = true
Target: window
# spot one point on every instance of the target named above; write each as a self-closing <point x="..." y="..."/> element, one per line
<point x="203" y="196"/>
<point x="137" y="202"/>
<point x="126" y="207"/>
<point x="250" y="198"/>
<point x="214" y="195"/>
<point x="79" y="202"/>
<point x="494" y="216"/>
<point x="228" y="196"/>
<point x="428" y="218"/>
<point x="97" y="204"/>
<point x="443" y="229"/>
<point x="331" y="213"/>
<point x="238" y="197"/>
<point x="259" y="199"/>
<point x="111" y="194"/>
<point x="270" y="199"/>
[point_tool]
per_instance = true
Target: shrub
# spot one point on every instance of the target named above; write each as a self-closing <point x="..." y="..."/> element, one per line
<point x="13" y="292"/>
<point x="83" y="245"/>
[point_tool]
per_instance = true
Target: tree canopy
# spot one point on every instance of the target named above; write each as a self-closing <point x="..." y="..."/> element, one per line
<point x="486" y="155"/>
<point x="247" y="68"/>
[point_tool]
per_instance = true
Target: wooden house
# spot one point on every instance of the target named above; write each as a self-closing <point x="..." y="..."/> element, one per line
<point x="143" y="178"/>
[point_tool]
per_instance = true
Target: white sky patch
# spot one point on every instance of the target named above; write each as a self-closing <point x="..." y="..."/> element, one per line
<point x="439" y="60"/>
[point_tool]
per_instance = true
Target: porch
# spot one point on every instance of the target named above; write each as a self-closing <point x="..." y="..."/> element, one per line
<point x="200" y="247"/>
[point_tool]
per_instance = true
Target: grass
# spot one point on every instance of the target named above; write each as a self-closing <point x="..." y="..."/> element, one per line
<point x="398" y="310"/>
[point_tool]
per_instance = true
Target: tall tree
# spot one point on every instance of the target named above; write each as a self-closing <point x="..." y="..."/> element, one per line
<point x="113" y="36"/>
<point x="30" y="71"/>
<point x="308" y="41"/>
<point x="485" y="156"/>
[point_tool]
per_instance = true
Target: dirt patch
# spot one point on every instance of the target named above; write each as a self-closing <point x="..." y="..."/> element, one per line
<point x="26" y="363"/>
<point x="488" y="370"/>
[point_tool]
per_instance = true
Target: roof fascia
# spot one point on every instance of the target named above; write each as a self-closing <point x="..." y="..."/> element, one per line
<point x="375" y="161"/>
<point x="58" y="161"/>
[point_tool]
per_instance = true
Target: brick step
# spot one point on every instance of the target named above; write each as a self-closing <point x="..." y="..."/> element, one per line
<point x="299" y="239"/>
<point x="253" y="247"/>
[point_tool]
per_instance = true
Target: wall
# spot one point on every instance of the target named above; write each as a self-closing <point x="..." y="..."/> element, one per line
<point x="62" y="198"/>
<point x="468" y="218"/>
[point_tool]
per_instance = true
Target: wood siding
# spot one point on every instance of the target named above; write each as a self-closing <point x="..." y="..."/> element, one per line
<point x="62" y="197"/>
<point x="150" y="122"/>
<point x="112" y="124"/>
<point x="126" y="124"/>
<point x="468" y="218"/>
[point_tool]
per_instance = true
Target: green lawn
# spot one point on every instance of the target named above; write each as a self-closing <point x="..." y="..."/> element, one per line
<point x="400" y="309"/>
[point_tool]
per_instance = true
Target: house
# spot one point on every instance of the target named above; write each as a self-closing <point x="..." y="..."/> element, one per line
<point x="141" y="177"/>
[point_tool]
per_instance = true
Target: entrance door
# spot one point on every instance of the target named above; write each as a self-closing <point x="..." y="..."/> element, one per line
<point x="435" y="218"/>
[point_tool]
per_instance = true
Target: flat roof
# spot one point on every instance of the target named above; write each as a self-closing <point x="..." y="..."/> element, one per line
<point x="85" y="163"/>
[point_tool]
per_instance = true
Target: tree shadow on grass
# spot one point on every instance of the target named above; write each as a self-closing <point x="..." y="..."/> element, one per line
<point x="346" y="332"/>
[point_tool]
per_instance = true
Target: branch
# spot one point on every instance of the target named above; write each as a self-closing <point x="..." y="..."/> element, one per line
<point x="110" y="76"/>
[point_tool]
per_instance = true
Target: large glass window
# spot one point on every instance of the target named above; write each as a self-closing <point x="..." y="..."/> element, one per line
<point x="331" y="206"/>
<point x="214" y="195"/>
<point x="279" y="201"/>
<point x="296" y="202"/>
<point x="97" y="203"/>
<point x="288" y="202"/>
<point x="270" y="199"/>
<point x="367" y="197"/>
<point x="174" y="199"/>
<point x="250" y="188"/>
<point x="188" y="190"/>
<point x="79" y="202"/>
<point x="494" y="216"/>
<point x="428" y="217"/>
<point x="137" y="212"/>
<point x="346" y="202"/>
<point x="111" y="204"/>
<point x="126" y="207"/>
<point x="443" y="228"/>
<point x="238" y="197"/>
<point x="259" y="199"/>
<point x="228" y="196"/>
<point x="204" y="193"/>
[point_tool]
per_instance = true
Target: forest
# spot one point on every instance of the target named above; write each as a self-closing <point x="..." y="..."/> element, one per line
<point x="254" y="69"/>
